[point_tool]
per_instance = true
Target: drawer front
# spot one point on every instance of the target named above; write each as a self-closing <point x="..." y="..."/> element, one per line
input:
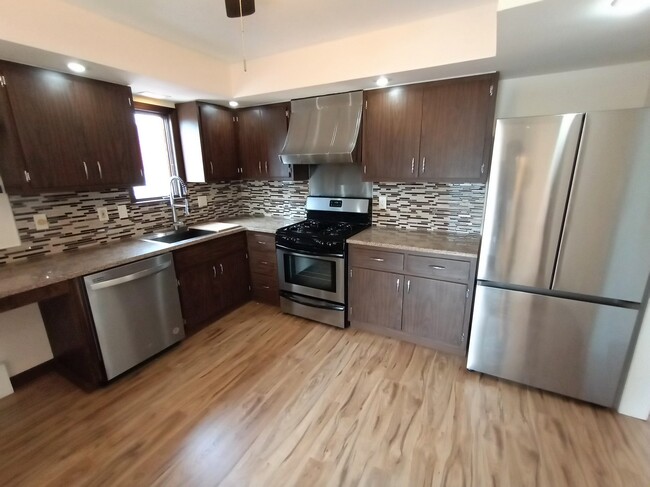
<point x="265" y="289"/>
<point x="420" y="265"/>
<point x="376" y="259"/>
<point x="209" y="251"/>
<point x="261" y="242"/>
<point x="263" y="263"/>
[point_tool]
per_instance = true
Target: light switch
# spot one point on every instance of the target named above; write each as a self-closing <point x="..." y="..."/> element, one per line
<point x="203" y="201"/>
<point x="122" y="211"/>
<point x="40" y="221"/>
<point x="382" y="202"/>
<point x="103" y="214"/>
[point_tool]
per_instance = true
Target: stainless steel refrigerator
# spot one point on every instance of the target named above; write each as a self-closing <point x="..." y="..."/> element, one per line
<point x="565" y="253"/>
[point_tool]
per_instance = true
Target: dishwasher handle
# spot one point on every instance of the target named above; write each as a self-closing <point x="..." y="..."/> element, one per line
<point x="130" y="277"/>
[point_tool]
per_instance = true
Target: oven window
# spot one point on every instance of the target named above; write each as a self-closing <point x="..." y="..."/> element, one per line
<point x="310" y="272"/>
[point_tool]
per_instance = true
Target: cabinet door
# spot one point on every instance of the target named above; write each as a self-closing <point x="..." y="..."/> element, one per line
<point x="275" y="126"/>
<point x="235" y="280"/>
<point x="391" y="133"/>
<point x="456" y="133"/>
<point x="48" y="126"/>
<point x="219" y="143"/>
<point x="435" y="310"/>
<point x="199" y="299"/>
<point x="251" y="146"/>
<point x="112" y="147"/>
<point x="12" y="162"/>
<point x="376" y="298"/>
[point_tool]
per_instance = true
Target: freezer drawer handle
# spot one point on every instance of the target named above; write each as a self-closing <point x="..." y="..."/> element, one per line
<point x="130" y="277"/>
<point x="438" y="267"/>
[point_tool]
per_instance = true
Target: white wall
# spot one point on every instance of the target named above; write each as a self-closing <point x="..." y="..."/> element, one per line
<point x="605" y="88"/>
<point x="23" y="340"/>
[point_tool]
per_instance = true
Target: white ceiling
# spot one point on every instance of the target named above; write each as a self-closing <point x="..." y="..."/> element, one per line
<point x="532" y="37"/>
<point x="276" y="26"/>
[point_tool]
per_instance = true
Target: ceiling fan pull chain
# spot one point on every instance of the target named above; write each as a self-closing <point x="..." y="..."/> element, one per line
<point x="243" y="47"/>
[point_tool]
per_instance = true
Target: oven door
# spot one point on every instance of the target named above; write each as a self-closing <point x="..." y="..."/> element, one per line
<point x="319" y="276"/>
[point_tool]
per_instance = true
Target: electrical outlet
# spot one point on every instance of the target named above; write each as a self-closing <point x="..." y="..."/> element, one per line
<point x="103" y="214"/>
<point x="122" y="211"/>
<point x="203" y="201"/>
<point x="382" y="202"/>
<point x="40" y="221"/>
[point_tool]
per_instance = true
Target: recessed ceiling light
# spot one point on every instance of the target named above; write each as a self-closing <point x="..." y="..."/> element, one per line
<point x="76" y="67"/>
<point x="150" y="94"/>
<point x="233" y="103"/>
<point x="382" y="81"/>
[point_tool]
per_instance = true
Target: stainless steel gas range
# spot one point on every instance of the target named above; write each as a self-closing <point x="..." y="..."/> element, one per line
<point x="312" y="258"/>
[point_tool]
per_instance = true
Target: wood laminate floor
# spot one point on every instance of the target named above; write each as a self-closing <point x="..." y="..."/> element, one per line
<point x="260" y="398"/>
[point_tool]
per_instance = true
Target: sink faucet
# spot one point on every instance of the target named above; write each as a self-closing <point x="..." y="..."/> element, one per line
<point x="176" y="183"/>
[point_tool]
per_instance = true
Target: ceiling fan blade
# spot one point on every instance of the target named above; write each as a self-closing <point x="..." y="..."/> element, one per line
<point x="232" y="8"/>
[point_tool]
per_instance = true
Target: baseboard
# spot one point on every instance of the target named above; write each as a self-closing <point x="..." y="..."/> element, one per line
<point x="29" y="375"/>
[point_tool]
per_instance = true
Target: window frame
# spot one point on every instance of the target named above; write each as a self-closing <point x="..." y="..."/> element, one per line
<point x="169" y="114"/>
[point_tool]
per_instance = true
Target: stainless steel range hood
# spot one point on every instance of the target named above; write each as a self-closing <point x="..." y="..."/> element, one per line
<point x="323" y="130"/>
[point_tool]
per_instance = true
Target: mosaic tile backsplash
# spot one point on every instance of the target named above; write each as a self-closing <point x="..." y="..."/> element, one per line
<point x="73" y="221"/>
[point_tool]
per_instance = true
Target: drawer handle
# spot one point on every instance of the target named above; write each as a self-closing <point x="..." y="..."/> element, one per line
<point x="376" y="259"/>
<point x="264" y="262"/>
<point x="261" y="243"/>
<point x="266" y="287"/>
<point x="437" y="267"/>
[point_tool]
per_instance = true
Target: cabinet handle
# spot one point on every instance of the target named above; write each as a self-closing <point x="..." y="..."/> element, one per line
<point x="376" y="259"/>
<point x="266" y="287"/>
<point x="99" y="168"/>
<point x="424" y="164"/>
<point x="438" y="267"/>
<point x="214" y="271"/>
<point x="398" y="285"/>
<point x="259" y="167"/>
<point x="211" y="168"/>
<point x="413" y="165"/>
<point x="408" y="286"/>
<point x="142" y="172"/>
<point x="221" y="268"/>
<point x="266" y="166"/>
<point x="264" y="262"/>
<point x="85" y="169"/>
<point x="261" y="243"/>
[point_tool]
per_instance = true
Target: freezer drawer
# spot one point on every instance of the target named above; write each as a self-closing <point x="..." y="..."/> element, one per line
<point x="573" y="348"/>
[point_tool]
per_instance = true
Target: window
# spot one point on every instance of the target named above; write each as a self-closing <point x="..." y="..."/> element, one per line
<point x="158" y="153"/>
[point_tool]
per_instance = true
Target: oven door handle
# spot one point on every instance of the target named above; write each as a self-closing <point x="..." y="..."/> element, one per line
<point x="306" y="252"/>
<point x="314" y="303"/>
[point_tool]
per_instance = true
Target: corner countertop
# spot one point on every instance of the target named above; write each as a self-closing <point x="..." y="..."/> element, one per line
<point x="452" y="244"/>
<point x="43" y="271"/>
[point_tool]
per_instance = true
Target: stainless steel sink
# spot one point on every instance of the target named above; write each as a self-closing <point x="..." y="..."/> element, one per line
<point x="177" y="235"/>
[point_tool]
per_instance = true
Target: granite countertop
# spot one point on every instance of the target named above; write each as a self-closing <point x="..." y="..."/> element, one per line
<point x="50" y="269"/>
<point x="454" y="244"/>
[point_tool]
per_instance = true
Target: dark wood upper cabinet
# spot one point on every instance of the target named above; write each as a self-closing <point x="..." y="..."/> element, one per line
<point x="262" y="132"/>
<point x="73" y="133"/>
<point x="251" y="146"/>
<point x="456" y="135"/>
<point x="209" y="142"/>
<point x="391" y="133"/>
<point x="439" y="131"/>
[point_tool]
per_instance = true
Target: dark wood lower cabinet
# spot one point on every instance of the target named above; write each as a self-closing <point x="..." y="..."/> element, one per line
<point x="435" y="310"/>
<point x="213" y="278"/>
<point x="428" y="302"/>
<point x="376" y="297"/>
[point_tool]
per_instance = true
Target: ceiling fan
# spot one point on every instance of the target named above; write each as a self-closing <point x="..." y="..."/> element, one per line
<point x="239" y="8"/>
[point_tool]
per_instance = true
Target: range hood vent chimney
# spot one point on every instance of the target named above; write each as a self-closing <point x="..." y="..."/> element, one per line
<point x="323" y="130"/>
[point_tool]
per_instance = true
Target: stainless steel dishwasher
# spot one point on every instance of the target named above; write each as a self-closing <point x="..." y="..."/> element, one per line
<point x="136" y="311"/>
